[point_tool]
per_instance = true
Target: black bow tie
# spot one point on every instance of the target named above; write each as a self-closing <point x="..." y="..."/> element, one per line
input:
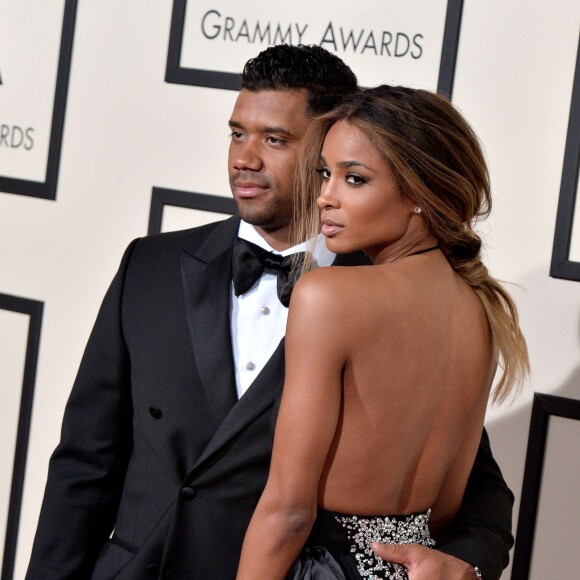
<point x="250" y="262"/>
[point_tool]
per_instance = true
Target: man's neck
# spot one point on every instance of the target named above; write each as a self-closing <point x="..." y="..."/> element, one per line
<point x="277" y="239"/>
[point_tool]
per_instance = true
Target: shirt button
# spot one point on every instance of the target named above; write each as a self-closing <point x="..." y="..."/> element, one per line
<point x="250" y="366"/>
<point x="265" y="310"/>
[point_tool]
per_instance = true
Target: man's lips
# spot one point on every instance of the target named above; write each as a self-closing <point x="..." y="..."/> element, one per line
<point x="248" y="189"/>
<point x="330" y="228"/>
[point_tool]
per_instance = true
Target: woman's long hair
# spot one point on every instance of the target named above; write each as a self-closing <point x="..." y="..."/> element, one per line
<point x="438" y="164"/>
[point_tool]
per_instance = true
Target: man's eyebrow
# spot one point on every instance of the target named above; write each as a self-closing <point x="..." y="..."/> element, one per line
<point x="278" y="130"/>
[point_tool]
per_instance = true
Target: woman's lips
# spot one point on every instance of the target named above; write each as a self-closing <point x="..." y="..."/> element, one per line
<point x="330" y="228"/>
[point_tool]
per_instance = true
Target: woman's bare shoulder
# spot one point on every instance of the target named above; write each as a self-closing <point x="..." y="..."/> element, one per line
<point x="332" y="283"/>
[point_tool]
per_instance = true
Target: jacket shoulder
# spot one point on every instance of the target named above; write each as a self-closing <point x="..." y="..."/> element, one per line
<point x="194" y="236"/>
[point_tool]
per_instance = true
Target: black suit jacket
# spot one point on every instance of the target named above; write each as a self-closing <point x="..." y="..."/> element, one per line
<point x="155" y="444"/>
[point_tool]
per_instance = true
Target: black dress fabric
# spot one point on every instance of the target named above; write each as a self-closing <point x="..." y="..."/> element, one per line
<point x="340" y="546"/>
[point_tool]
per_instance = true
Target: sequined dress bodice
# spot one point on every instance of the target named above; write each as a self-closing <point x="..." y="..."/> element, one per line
<point x="340" y="546"/>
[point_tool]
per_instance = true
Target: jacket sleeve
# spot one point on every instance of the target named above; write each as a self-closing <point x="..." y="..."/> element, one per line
<point x="87" y="469"/>
<point x="481" y="532"/>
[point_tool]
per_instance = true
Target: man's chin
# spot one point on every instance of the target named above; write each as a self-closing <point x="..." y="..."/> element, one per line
<point x="270" y="218"/>
<point x="254" y="216"/>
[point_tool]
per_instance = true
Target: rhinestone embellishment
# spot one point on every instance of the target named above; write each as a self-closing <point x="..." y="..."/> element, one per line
<point x="362" y="532"/>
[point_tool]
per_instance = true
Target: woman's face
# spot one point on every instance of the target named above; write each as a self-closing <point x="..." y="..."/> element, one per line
<point x="361" y="207"/>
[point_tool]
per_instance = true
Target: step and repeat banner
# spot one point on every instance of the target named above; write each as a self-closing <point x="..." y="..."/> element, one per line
<point x="36" y="45"/>
<point x="113" y="125"/>
<point x="414" y="44"/>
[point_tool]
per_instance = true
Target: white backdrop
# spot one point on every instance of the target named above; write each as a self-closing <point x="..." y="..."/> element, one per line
<point x="127" y="130"/>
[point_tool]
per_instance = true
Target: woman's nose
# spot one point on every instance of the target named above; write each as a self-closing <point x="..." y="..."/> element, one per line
<point x="327" y="197"/>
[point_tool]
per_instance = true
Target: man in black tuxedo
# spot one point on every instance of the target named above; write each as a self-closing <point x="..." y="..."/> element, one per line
<point x="167" y="434"/>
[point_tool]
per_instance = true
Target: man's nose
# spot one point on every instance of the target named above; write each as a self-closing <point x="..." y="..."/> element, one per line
<point x="247" y="156"/>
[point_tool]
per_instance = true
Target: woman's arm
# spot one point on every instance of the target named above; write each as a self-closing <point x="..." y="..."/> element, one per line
<point x="315" y="357"/>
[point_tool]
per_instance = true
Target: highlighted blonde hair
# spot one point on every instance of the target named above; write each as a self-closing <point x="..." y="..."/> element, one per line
<point x="438" y="164"/>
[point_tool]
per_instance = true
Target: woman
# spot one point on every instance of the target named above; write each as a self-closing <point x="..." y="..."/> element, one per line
<point x="388" y="367"/>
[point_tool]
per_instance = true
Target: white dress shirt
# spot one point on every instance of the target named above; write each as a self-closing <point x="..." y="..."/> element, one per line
<point x="258" y="318"/>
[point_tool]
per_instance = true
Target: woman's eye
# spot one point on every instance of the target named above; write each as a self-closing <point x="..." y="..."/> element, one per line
<point x="274" y="140"/>
<point x="355" y="179"/>
<point x="324" y="172"/>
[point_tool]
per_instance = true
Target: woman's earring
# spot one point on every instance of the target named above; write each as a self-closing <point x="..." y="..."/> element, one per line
<point x="417" y="210"/>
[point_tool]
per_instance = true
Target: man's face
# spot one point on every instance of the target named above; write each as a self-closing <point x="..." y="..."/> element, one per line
<point x="267" y="127"/>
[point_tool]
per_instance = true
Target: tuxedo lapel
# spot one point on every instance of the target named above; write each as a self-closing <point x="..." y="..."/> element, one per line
<point x="206" y="275"/>
<point x="261" y="394"/>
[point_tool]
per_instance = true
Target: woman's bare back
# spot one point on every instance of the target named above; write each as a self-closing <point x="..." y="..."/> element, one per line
<point x="418" y="366"/>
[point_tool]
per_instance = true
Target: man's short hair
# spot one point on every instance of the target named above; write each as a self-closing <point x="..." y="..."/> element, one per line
<point x="285" y="67"/>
